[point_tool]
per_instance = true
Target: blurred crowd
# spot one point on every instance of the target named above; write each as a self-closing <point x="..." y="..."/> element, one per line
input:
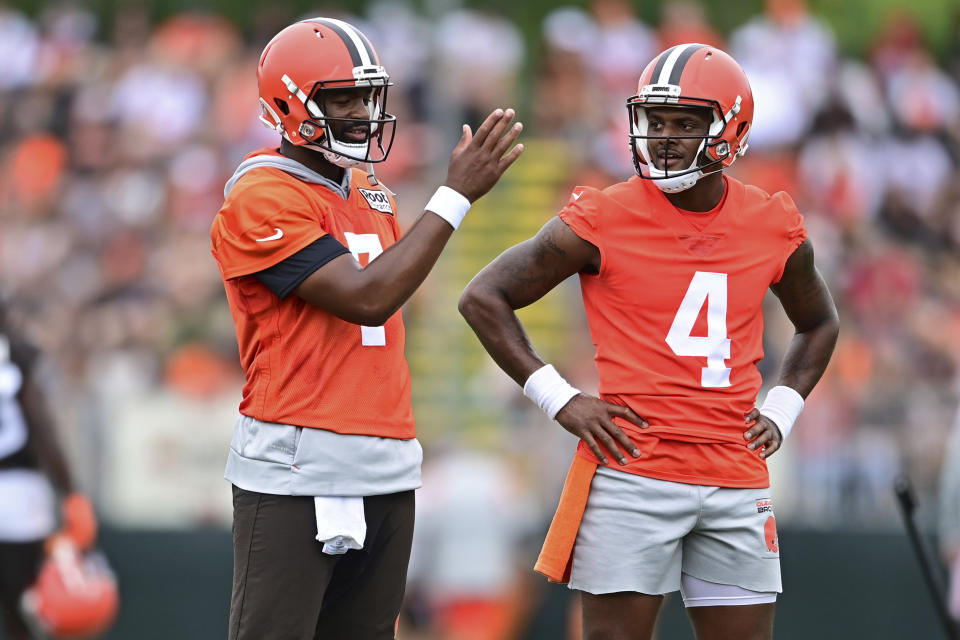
<point x="116" y="140"/>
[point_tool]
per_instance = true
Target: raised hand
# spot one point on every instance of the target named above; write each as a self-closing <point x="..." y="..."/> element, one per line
<point x="478" y="160"/>
<point x="591" y="420"/>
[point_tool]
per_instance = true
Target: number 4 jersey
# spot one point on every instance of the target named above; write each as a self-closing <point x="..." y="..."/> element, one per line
<point x="304" y="366"/>
<point x="675" y="316"/>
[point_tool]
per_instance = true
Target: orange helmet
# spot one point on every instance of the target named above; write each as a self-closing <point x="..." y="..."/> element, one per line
<point x="75" y="595"/>
<point x="693" y="75"/>
<point x="314" y="55"/>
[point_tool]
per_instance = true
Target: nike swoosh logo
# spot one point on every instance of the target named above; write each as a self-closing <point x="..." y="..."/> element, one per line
<point x="577" y="195"/>
<point x="275" y="236"/>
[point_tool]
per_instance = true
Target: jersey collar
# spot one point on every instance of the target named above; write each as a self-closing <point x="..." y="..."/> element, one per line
<point x="292" y="167"/>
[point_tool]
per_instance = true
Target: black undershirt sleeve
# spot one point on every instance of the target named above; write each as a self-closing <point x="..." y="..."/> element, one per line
<point x="283" y="277"/>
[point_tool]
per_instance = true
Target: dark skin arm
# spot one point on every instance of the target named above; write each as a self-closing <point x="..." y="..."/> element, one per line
<point x="79" y="523"/>
<point x="43" y="437"/>
<point x="809" y="306"/>
<point x="370" y="295"/>
<point x="520" y="276"/>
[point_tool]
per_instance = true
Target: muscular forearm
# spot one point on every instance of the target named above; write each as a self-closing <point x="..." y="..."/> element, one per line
<point x="809" y="305"/>
<point x="370" y="295"/>
<point x="519" y="277"/>
<point x="389" y="281"/>
<point x="496" y="324"/>
<point x="808" y="355"/>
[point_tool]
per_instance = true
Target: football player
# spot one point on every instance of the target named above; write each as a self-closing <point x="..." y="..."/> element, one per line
<point x="324" y="458"/>
<point x="669" y="488"/>
<point x="33" y="470"/>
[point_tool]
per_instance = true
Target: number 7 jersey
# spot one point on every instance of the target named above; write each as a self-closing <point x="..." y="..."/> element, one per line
<point x="675" y="316"/>
<point x="304" y="366"/>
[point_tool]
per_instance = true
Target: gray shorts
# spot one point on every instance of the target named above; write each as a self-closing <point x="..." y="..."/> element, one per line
<point x="639" y="534"/>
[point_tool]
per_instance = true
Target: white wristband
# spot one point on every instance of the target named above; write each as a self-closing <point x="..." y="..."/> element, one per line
<point x="782" y="405"/>
<point x="549" y="390"/>
<point x="449" y="205"/>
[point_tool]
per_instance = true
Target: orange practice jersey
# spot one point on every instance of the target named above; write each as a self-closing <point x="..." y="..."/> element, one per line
<point x="675" y="315"/>
<point x="304" y="366"/>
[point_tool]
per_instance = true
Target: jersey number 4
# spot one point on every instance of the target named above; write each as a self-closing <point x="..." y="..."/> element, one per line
<point x="368" y="243"/>
<point x="710" y="288"/>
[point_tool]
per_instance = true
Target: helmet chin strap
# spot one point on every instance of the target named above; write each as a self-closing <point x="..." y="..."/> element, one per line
<point x="336" y="153"/>
<point x="335" y="158"/>
<point x="345" y="154"/>
<point x="345" y="162"/>
<point x="682" y="183"/>
<point x="332" y="157"/>
<point x="674" y="184"/>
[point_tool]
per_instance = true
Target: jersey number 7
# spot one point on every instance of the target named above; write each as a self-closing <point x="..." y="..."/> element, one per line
<point x="710" y="288"/>
<point x="368" y="243"/>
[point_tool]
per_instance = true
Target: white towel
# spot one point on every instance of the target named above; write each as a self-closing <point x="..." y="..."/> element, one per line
<point x="341" y="525"/>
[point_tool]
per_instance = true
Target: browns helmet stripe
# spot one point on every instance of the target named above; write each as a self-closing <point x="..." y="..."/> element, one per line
<point x="657" y="69"/>
<point x="670" y="66"/>
<point x="682" y="62"/>
<point x="353" y="42"/>
<point x="363" y="46"/>
<point x="369" y="47"/>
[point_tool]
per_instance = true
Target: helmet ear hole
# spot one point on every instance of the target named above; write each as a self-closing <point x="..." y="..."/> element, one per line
<point x="740" y="128"/>
<point x="282" y="105"/>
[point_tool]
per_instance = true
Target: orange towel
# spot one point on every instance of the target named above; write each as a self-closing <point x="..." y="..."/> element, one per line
<point x="555" y="557"/>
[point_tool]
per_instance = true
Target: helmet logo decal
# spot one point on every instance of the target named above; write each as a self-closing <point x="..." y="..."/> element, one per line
<point x="371" y="72"/>
<point x="666" y="93"/>
<point x="770" y="535"/>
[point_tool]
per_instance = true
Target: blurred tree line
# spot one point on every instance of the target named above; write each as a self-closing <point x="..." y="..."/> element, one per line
<point x="856" y="22"/>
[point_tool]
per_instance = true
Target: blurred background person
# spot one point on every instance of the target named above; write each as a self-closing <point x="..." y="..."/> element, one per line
<point x="786" y="52"/>
<point x="474" y="515"/>
<point x="479" y="53"/>
<point x="686" y="21"/>
<point x="34" y="478"/>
